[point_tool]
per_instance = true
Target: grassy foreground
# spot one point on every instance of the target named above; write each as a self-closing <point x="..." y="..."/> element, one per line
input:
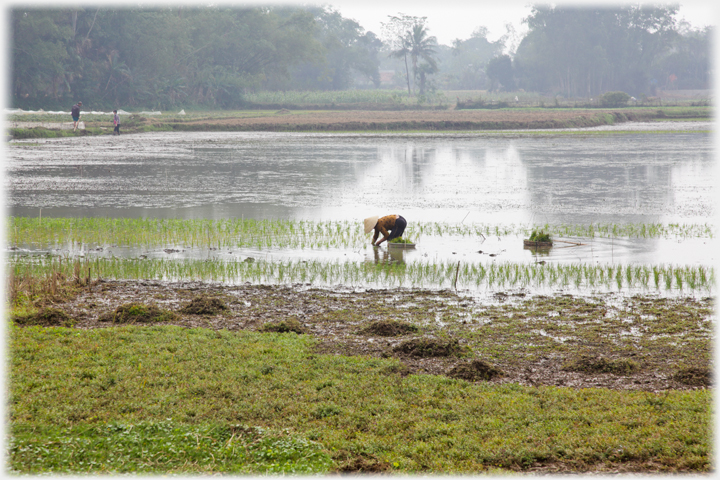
<point x="178" y="400"/>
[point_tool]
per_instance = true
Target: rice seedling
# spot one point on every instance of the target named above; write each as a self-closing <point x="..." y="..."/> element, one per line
<point x="301" y="234"/>
<point x="419" y="274"/>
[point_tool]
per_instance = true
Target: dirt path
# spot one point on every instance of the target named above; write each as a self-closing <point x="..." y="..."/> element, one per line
<point x="638" y="343"/>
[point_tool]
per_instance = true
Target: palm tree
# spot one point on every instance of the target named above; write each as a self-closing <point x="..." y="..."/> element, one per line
<point x="402" y="52"/>
<point x="421" y="46"/>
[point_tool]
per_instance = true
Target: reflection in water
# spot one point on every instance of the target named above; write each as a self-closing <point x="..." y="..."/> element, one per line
<point x="388" y="255"/>
<point x="637" y="179"/>
<point x="475" y="178"/>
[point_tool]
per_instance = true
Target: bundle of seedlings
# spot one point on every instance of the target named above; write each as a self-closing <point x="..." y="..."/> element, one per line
<point x="538" y="238"/>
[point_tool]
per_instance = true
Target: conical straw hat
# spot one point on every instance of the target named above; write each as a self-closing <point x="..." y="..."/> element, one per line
<point x="370" y="223"/>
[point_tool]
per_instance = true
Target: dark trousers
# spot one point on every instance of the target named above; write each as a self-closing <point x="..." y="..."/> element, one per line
<point x="117" y="129"/>
<point x="398" y="229"/>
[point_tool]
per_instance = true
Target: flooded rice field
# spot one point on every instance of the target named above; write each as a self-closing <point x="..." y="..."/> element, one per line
<point x="660" y="173"/>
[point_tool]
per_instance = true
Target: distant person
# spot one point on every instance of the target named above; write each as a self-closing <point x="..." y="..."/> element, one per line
<point x="75" y="112"/>
<point x="116" y="122"/>
<point x="395" y="224"/>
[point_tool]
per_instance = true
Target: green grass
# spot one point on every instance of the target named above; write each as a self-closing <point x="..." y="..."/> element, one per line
<point x="166" y="447"/>
<point x="177" y="400"/>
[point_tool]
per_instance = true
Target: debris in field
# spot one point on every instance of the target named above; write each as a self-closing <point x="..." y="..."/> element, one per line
<point x="475" y="371"/>
<point x="284" y="326"/>
<point x="589" y="364"/>
<point x="47" y="317"/>
<point x="389" y="328"/>
<point x="695" y="376"/>
<point x="204" y="305"/>
<point x="428" y="347"/>
<point x="138" y="313"/>
<point x="364" y="464"/>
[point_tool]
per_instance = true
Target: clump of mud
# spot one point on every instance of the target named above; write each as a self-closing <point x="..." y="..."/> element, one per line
<point x="389" y="328"/>
<point x="694" y="376"/>
<point x="589" y="364"/>
<point x="47" y="317"/>
<point x="138" y="313"/>
<point x="284" y="326"/>
<point x="428" y="347"/>
<point x="361" y="464"/>
<point x="204" y="305"/>
<point x="475" y="371"/>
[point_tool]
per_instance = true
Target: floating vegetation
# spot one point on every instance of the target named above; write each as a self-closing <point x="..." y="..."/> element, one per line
<point x="417" y="274"/>
<point x="302" y="234"/>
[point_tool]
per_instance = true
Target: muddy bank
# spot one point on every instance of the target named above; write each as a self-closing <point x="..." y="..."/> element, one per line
<point x="285" y="120"/>
<point x="637" y="343"/>
<point x="417" y="120"/>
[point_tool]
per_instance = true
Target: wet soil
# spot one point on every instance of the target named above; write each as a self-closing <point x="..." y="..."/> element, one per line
<point x="626" y="343"/>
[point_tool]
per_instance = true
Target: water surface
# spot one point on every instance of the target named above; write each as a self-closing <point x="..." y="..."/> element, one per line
<point x="497" y="178"/>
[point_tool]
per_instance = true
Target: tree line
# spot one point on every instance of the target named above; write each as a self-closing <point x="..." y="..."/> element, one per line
<point x="212" y="56"/>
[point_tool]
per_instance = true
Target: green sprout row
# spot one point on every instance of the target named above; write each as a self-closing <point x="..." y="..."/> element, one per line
<point x="297" y="234"/>
<point x="603" y="230"/>
<point x="417" y="275"/>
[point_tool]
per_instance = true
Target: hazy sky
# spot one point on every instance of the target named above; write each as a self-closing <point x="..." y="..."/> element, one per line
<point x="452" y="19"/>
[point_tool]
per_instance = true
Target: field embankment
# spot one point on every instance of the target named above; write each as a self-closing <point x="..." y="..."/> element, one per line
<point x="441" y="120"/>
<point x="285" y="120"/>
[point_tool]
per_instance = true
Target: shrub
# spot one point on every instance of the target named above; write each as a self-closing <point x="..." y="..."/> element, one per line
<point x="614" y="99"/>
